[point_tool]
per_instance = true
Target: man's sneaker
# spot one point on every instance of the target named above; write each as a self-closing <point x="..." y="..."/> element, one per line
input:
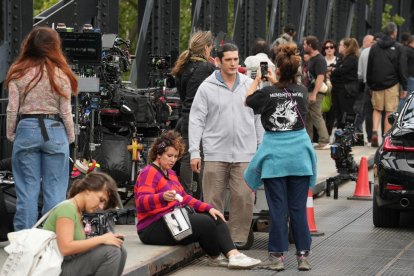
<point x="374" y="140"/>
<point x="220" y="261"/>
<point x="240" y="261"/>
<point x="274" y="263"/>
<point x="303" y="264"/>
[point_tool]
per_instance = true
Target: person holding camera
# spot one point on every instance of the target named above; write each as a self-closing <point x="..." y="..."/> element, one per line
<point x="40" y="84"/>
<point x="285" y="161"/>
<point x="100" y="255"/>
<point x="193" y="66"/>
<point x="158" y="190"/>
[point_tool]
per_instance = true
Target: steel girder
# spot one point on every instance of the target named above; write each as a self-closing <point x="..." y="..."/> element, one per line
<point x="14" y="27"/>
<point x="209" y="15"/>
<point x="159" y="35"/>
<point x="249" y="24"/>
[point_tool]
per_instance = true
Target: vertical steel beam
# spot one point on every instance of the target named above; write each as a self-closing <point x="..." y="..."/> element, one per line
<point x="249" y="24"/>
<point x="376" y="15"/>
<point x="139" y="65"/>
<point x="294" y="15"/>
<point x="317" y="18"/>
<point x="361" y="20"/>
<point x="351" y="13"/>
<point x="108" y="16"/>
<point x="159" y="35"/>
<point x="196" y="15"/>
<point x="271" y="33"/>
<point x="341" y="12"/>
<point x="406" y="13"/>
<point x="302" y="21"/>
<point x="328" y="19"/>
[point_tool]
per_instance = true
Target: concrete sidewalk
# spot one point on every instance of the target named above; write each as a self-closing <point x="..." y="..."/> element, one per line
<point x="149" y="260"/>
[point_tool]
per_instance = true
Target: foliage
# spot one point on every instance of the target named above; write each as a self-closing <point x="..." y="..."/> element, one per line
<point x="387" y="17"/>
<point x="185" y="23"/>
<point x="42" y="5"/>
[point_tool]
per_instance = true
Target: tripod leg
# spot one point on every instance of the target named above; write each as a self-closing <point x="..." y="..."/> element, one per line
<point x="336" y="184"/>
<point x="328" y="187"/>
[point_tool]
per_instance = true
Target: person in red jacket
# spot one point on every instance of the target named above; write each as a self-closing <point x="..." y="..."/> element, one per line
<point x="156" y="193"/>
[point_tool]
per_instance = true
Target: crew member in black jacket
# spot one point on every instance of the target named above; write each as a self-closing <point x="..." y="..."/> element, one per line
<point x="386" y="71"/>
<point x="344" y="78"/>
<point x="193" y="66"/>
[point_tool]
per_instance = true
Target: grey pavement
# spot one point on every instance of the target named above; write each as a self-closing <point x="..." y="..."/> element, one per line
<point x="149" y="260"/>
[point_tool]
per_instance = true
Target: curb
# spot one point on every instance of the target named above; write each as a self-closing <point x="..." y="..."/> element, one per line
<point x="168" y="261"/>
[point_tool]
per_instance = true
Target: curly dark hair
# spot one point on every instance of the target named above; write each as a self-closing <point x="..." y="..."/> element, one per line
<point x="170" y="138"/>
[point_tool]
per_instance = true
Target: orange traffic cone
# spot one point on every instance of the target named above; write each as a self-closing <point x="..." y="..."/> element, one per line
<point x="362" y="191"/>
<point x="311" y="216"/>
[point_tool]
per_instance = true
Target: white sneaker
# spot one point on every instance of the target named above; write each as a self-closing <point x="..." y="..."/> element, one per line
<point x="240" y="261"/>
<point x="220" y="261"/>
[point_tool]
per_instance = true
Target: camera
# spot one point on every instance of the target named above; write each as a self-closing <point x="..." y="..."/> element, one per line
<point x="345" y="139"/>
<point x="263" y="69"/>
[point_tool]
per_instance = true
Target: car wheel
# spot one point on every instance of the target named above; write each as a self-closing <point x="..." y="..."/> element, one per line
<point x="249" y="242"/>
<point x="383" y="217"/>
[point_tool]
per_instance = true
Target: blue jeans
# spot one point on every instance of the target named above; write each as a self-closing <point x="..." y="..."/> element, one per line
<point x="39" y="165"/>
<point x="288" y="194"/>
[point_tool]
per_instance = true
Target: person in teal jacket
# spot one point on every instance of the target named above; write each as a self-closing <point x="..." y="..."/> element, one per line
<point x="285" y="161"/>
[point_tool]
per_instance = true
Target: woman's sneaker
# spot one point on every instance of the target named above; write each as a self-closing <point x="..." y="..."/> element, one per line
<point x="303" y="264"/>
<point x="220" y="261"/>
<point x="274" y="263"/>
<point x="240" y="261"/>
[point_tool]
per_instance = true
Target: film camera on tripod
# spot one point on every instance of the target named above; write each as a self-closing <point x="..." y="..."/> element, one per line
<point x="345" y="139"/>
<point x="341" y="152"/>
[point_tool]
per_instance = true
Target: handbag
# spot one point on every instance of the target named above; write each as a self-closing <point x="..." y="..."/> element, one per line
<point x="326" y="102"/>
<point x="178" y="223"/>
<point x="33" y="252"/>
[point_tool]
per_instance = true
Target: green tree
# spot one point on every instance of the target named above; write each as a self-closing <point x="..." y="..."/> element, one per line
<point x="387" y="17"/>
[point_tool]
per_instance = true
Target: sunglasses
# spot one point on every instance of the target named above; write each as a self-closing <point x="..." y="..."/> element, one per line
<point x="329" y="47"/>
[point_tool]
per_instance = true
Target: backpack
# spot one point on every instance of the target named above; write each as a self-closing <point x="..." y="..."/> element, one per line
<point x="33" y="252"/>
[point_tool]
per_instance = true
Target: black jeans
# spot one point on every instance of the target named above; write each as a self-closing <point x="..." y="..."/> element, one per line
<point x="212" y="235"/>
<point x="186" y="173"/>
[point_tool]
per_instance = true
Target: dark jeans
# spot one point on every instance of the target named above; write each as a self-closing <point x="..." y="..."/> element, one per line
<point x="286" y="197"/>
<point x="212" y="235"/>
<point x="186" y="173"/>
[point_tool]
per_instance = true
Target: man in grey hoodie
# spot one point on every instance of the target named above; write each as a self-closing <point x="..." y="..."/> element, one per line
<point x="226" y="127"/>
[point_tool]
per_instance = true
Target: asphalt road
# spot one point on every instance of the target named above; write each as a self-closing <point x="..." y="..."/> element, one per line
<point x="351" y="244"/>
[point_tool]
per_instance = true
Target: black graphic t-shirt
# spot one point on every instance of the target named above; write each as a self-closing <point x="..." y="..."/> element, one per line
<point x="281" y="109"/>
<point x="316" y="66"/>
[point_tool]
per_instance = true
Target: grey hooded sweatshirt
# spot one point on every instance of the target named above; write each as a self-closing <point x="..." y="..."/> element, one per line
<point x="220" y="119"/>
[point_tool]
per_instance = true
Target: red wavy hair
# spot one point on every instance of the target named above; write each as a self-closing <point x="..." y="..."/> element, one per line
<point x="41" y="48"/>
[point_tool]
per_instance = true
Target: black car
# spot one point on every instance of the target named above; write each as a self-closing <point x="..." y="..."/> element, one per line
<point x="394" y="169"/>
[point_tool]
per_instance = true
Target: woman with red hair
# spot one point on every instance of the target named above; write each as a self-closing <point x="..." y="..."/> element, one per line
<point x="40" y="84"/>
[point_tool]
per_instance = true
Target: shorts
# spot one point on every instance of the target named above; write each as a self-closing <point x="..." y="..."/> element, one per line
<point x="386" y="99"/>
